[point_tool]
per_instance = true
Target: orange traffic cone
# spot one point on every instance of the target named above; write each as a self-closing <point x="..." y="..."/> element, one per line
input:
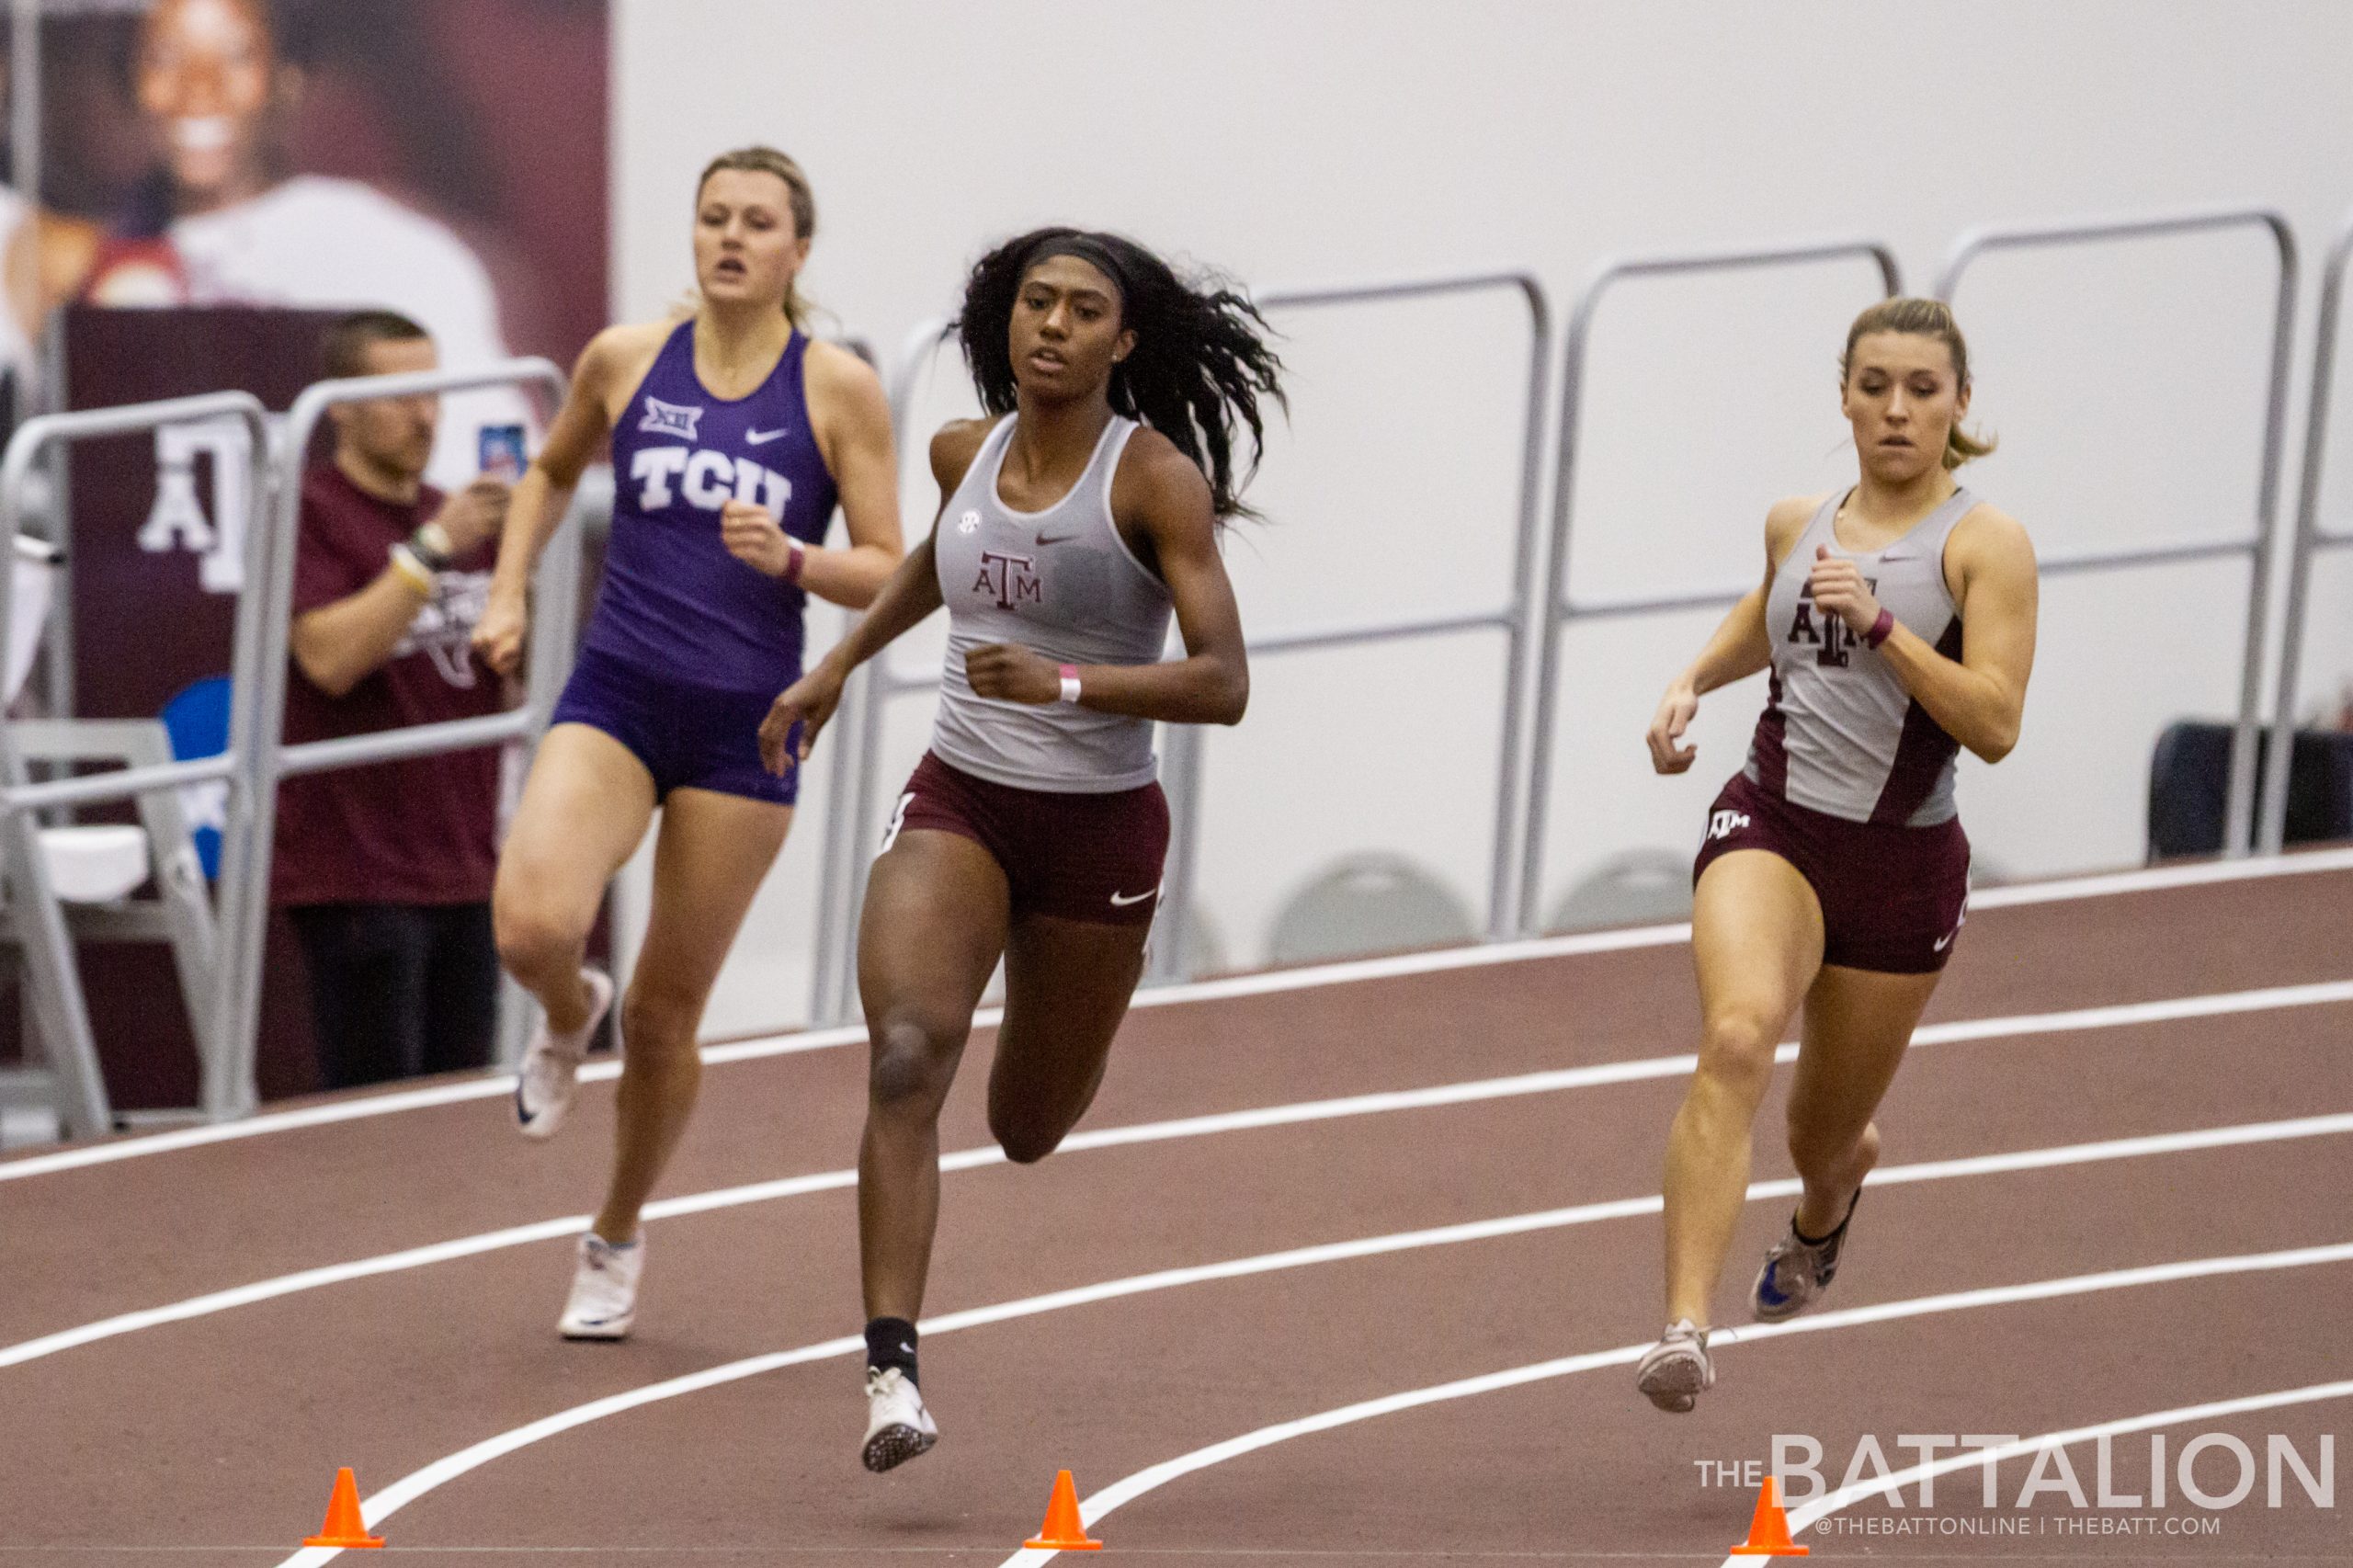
<point x="1063" y="1532"/>
<point x="344" y="1526"/>
<point x="1769" y="1532"/>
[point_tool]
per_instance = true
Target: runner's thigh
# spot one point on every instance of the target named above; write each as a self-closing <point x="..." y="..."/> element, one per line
<point x="585" y="809"/>
<point x="1067" y="985"/>
<point x="932" y="930"/>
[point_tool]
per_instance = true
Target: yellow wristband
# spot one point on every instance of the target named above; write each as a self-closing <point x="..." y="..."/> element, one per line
<point x="413" y="571"/>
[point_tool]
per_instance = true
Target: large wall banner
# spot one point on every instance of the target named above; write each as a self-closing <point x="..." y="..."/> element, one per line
<point x="219" y="179"/>
<point x="445" y="158"/>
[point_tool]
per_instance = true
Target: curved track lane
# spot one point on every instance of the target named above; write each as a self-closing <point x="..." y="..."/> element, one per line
<point x="233" y="1422"/>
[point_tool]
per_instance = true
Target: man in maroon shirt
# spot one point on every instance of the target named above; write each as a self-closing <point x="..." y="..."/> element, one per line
<point x="385" y="870"/>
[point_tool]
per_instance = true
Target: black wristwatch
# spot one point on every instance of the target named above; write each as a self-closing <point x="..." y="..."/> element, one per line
<point x="432" y="545"/>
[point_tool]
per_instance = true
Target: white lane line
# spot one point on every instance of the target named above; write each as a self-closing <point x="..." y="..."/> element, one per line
<point x="1094" y="1508"/>
<point x="1273" y="981"/>
<point x="2121" y="1015"/>
<point x="1845" y="1497"/>
<point x="495" y="1086"/>
<point x="2162" y="878"/>
<point x="418" y="1483"/>
<point x="498" y="1086"/>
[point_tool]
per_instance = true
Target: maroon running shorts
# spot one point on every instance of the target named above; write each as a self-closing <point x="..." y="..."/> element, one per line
<point x="1094" y="858"/>
<point x="1892" y="898"/>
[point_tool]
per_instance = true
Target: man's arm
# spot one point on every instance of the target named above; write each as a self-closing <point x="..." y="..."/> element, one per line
<point x="341" y="643"/>
<point x="339" y="646"/>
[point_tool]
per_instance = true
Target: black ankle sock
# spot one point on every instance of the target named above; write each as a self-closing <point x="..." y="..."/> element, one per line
<point x="1817" y="1241"/>
<point x="891" y="1342"/>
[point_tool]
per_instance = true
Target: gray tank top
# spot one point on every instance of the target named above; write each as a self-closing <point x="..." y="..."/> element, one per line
<point x="1840" y="735"/>
<point x="1062" y="584"/>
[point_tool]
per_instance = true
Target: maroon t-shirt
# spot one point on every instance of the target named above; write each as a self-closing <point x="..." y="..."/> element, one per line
<point x="419" y="831"/>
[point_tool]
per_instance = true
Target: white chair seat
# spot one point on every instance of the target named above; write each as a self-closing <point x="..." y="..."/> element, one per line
<point x="96" y="864"/>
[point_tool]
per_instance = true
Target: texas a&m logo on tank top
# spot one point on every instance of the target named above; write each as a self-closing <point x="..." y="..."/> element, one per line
<point x="1840" y="733"/>
<point x="1062" y="583"/>
<point x="1832" y="640"/>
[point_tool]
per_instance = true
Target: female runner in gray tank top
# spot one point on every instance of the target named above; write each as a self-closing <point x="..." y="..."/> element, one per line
<point x="1072" y="521"/>
<point x="1834" y="873"/>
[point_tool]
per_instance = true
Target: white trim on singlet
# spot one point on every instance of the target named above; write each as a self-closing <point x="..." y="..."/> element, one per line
<point x="1094" y="456"/>
<point x="1111" y="521"/>
<point x="1944" y="583"/>
<point x="1116" y="435"/>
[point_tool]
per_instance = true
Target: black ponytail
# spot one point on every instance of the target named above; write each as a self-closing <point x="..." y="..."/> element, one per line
<point x="1200" y="361"/>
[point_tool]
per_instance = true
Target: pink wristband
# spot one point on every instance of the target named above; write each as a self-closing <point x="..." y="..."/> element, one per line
<point x="1070" y="683"/>
<point x="1879" y="629"/>
<point x="796" y="556"/>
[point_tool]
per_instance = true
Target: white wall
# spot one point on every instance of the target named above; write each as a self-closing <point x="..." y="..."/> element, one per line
<point x="1312" y="140"/>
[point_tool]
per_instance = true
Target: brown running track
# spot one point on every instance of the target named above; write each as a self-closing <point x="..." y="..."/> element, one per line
<point x="213" y="1440"/>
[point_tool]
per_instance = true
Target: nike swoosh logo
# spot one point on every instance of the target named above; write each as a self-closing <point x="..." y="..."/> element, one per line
<point x="762" y="437"/>
<point x="1120" y="902"/>
<point x="1943" y="943"/>
<point x="1054" y="538"/>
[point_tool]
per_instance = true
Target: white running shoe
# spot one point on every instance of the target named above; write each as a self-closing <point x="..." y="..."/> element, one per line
<point x="603" y="1302"/>
<point x="897" y="1425"/>
<point x="1673" y="1373"/>
<point x="551" y="1067"/>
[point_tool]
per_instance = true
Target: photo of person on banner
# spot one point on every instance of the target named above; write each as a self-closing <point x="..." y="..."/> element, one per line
<point x="218" y="220"/>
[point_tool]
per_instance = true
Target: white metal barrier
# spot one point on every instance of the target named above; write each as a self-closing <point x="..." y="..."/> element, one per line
<point x="61" y="1010"/>
<point x="2256" y="545"/>
<point x="261" y="757"/>
<point x="2312" y="537"/>
<point x="1559" y="606"/>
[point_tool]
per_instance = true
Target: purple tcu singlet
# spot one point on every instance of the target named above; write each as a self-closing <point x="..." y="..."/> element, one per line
<point x="676" y="604"/>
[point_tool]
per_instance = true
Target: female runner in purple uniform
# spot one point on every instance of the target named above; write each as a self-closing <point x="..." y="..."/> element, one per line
<point x="1834" y="873"/>
<point x="1072" y="521"/>
<point x="732" y="436"/>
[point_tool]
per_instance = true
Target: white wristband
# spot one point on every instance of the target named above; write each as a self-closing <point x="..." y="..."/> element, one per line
<point x="414" y="572"/>
<point x="1070" y="683"/>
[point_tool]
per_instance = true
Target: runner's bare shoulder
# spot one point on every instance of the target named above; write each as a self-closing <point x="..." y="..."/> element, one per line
<point x="954" y="447"/>
<point x="618" y="358"/>
<point x="1785" y="521"/>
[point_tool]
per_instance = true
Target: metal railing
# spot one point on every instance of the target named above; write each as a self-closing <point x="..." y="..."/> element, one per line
<point x="1558" y="608"/>
<point x="2239" y="811"/>
<point x="2311" y="538"/>
<point x="857" y="747"/>
<point x="59" y="1006"/>
<point x="1171" y="958"/>
<point x="263" y="757"/>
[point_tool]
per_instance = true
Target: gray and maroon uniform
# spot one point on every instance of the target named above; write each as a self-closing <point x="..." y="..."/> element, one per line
<point x="1067" y="799"/>
<point x="1848" y="779"/>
